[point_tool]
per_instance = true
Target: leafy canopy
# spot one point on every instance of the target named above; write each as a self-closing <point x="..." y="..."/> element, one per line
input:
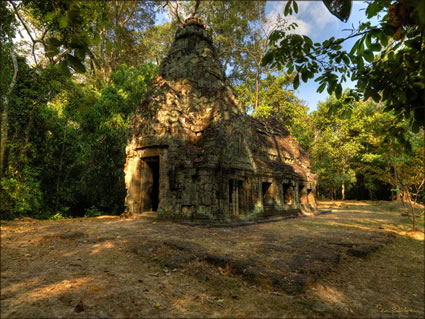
<point x="387" y="61"/>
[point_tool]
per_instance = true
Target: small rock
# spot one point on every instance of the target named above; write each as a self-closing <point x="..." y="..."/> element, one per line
<point x="72" y="235"/>
<point x="80" y="307"/>
<point x="103" y="315"/>
<point x="321" y="307"/>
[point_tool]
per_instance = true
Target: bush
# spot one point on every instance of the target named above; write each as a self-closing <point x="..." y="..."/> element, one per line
<point x="20" y="194"/>
<point x="93" y="212"/>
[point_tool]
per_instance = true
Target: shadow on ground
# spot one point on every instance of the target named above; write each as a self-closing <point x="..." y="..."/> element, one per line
<point x="306" y="267"/>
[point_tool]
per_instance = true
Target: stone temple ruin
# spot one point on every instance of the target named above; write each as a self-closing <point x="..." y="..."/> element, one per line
<point x="193" y="153"/>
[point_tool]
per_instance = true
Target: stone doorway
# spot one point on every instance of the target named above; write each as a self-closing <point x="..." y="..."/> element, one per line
<point x="150" y="183"/>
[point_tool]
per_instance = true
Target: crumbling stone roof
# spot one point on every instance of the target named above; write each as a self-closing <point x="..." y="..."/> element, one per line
<point x="192" y="110"/>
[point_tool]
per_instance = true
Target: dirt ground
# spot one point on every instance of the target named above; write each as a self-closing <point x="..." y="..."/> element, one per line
<point x="357" y="261"/>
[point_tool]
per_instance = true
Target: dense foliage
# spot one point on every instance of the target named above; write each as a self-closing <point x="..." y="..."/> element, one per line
<point x="387" y="61"/>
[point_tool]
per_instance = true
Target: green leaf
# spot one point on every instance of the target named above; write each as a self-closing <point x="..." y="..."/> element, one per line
<point x="384" y="39"/>
<point x="331" y="86"/>
<point x="375" y="46"/>
<point x="287" y="7"/>
<point x="64" y="67"/>
<point x="376" y="97"/>
<point x="346" y="59"/>
<point x="338" y="90"/>
<point x="78" y="42"/>
<point x="372" y="9"/>
<point x="54" y="42"/>
<point x="291" y="69"/>
<point x="51" y="50"/>
<point x="415" y="127"/>
<point x="368" y="55"/>
<point x="296" y="81"/>
<point x="63" y="22"/>
<point x="321" y="87"/>
<point x="339" y="8"/>
<point x="355" y="47"/>
<point x="368" y="40"/>
<point x="304" y="76"/>
<point x="76" y="64"/>
<point x="267" y="59"/>
<point x="295" y="7"/>
<point x="50" y="16"/>
<point x="308" y="40"/>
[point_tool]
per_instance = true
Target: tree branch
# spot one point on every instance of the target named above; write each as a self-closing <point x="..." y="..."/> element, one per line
<point x="5" y="112"/>
<point x="195" y="8"/>
<point x="60" y="56"/>
<point x="174" y="10"/>
<point x="27" y="29"/>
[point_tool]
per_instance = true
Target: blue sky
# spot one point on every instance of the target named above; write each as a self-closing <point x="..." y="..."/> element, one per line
<point x="315" y="21"/>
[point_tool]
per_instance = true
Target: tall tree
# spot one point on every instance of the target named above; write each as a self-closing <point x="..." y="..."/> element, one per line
<point x="121" y="33"/>
<point x="7" y="76"/>
<point x="336" y="147"/>
<point x="396" y="157"/>
<point x="276" y="99"/>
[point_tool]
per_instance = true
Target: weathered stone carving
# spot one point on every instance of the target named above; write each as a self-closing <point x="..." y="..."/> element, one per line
<point x="194" y="154"/>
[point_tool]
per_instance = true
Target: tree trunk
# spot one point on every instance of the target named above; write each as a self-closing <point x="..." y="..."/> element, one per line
<point x="5" y="113"/>
<point x="343" y="191"/>
<point x="60" y="169"/>
<point x="398" y="192"/>
<point x="257" y="87"/>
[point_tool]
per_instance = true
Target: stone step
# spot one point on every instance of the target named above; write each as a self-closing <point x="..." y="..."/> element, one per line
<point x="150" y="215"/>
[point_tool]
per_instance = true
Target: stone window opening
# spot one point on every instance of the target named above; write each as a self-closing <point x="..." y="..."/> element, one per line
<point x="150" y="183"/>
<point x="288" y="194"/>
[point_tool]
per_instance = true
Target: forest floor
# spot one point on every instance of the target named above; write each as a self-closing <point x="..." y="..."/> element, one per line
<point x="357" y="261"/>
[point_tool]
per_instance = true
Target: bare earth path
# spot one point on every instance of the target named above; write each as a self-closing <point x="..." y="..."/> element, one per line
<point x="355" y="262"/>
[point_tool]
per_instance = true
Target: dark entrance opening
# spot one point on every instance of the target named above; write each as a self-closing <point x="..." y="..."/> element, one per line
<point x="268" y="198"/>
<point x="230" y="191"/>
<point x="150" y="183"/>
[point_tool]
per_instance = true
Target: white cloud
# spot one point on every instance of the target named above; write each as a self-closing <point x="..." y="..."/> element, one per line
<point x="277" y="8"/>
<point x="312" y="18"/>
<point x="317" y="14"/>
